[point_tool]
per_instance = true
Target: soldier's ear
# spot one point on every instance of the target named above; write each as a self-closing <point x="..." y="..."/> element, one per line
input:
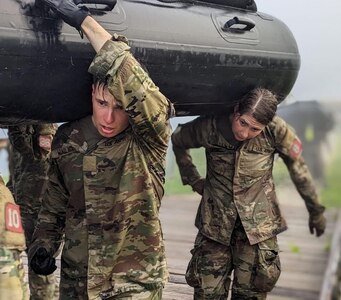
<point x="93" y="89"/>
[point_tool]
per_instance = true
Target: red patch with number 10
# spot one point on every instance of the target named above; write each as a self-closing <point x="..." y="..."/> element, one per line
<point x="296" y="148"/>
<point x="12" y="218"/>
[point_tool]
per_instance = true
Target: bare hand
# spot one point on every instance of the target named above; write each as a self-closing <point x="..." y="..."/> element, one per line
<point x="45" y="142"/>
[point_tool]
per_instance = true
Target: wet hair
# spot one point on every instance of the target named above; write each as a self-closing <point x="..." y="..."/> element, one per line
<point x="99" y="84"/>
<point x="260" y="103"/>
<point x="97" y="80"/>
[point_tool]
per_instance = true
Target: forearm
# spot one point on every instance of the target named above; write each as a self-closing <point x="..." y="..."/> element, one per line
<point x="188" y="171"/>
<point x="48" y="232"/>
<point x="95" y="33"/>
<point x="51" y="219"/>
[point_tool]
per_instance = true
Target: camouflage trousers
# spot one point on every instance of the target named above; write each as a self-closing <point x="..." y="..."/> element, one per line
<point x="139" y="293"/>
<point x="76" y="289"/>
<point x="12" y="276"/>
<point x="256" y="268"/>
<point x="42" y="287"/>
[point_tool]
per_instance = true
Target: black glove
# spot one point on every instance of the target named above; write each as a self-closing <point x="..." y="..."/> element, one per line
<point x="199" y="186"/>
<point x="69" y="11"/>
<point x="317" y="223"/>
<point x="42" y="262"/>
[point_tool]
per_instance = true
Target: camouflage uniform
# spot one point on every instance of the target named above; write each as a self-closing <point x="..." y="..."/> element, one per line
<point x="28" y="165"/>
<point x="105" y="193"/>
<point x="239" y="212"/>
<point x="12" y="242"/>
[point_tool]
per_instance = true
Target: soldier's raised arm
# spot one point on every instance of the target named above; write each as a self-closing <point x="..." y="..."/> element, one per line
<point x="114" y="65"/>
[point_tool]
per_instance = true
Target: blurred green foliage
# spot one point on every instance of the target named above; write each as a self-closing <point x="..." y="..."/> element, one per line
<point x="173" y="185"/>
<point x="294" y="248"/>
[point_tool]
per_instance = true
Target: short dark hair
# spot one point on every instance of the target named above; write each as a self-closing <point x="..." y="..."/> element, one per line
<point x="260" y="103"/>
<point x="97" y="80"/>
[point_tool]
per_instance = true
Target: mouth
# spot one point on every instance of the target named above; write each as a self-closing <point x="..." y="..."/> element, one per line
<point x="238" y="138"/>
<point x="107" y="130"/>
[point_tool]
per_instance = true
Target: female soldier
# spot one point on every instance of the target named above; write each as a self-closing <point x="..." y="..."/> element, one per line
<point x="239" y="216"/>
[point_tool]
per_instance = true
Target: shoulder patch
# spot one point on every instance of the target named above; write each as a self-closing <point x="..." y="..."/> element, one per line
<point x="295" y="148"/>
<point x="12" y="218"/>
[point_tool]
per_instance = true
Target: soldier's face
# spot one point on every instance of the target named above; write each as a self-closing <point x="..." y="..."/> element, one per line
<point x="107" y="115"/>
<point x="245" y="127"/>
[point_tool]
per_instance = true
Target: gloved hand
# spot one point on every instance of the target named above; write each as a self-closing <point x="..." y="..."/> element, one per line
<point x="69" y="11"/>
<point x="317" y="223"/>
<point x="42" y="262"/>
<point x="199" y="186"/>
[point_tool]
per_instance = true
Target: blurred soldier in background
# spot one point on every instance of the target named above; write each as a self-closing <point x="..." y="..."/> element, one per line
<point x="12" y="242"/>
<point x="29" y="152"/>
<point x="312" y="123"/>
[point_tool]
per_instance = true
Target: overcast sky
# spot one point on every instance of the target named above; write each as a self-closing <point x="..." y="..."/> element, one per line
<point x="317" y="29"/>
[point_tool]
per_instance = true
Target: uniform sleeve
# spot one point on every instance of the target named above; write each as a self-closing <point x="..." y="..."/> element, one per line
<point x="51" y="219"/>
<point x="46" y="129"/>
<point x="289" y="148"/>
<point x="187" y="136"/>
<point x="148" y="109"/>
<point x="21" y="139"/>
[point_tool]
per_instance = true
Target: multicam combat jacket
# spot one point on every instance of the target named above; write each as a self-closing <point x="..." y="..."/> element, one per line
<point x="106" y="198"/>
<point x="12" y="242"/>
<point x="239" y="178"/>
<point x="11" y="230"/>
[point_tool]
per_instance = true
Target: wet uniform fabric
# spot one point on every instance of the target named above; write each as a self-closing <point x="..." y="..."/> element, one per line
<point x="104" y="194"/>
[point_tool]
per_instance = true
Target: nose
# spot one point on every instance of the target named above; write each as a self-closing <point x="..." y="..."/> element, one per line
<point x="109" y="116"/>
<point x="244" y="133"/>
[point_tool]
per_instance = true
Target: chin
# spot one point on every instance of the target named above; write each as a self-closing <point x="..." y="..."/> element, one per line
<point x="108" y="135"/>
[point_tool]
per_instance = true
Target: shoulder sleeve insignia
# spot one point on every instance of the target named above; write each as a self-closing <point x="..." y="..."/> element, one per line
<point x="12" y="218"/>
<point x="296" y="148"/>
